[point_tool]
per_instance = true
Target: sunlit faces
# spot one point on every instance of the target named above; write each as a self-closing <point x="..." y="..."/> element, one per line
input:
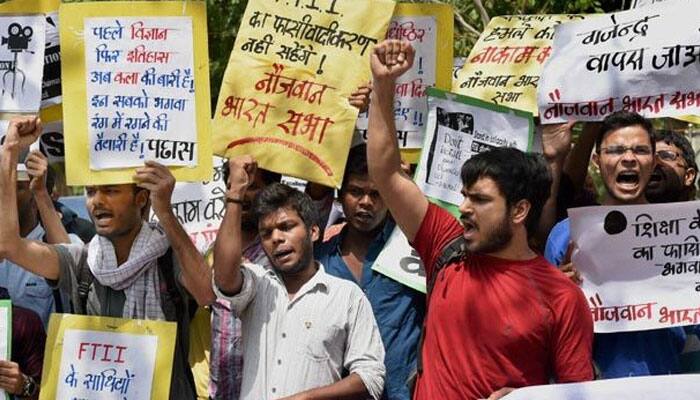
<point x="363" y="207"/>
<point x="115" y="209"/>
<point x="287" y="241"/>
<point x="485" y="217"/>
<point x="626" y="161"/>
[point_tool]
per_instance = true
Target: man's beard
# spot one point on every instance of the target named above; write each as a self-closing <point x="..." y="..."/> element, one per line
<point x="496" y="240"/>
<point x="304" y="261"/>
<point x="670" y="189"/>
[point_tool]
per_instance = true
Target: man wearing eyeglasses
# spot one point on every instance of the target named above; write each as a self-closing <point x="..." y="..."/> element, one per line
<point x="625" y="152"/>
<point x="673" y="178"/>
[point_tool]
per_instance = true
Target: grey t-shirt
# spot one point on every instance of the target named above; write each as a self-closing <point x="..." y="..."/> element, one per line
<point x="107" y="302"/>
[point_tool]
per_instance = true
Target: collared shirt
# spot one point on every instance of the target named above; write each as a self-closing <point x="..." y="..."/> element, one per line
<point x="399" y="310"/>
<point x="226" y="365"/>
<point x="27" y="289"/>
<point x="307" y="342"/>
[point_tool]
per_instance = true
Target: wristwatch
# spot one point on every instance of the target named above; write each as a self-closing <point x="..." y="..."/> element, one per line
<point x="29" y="388"/>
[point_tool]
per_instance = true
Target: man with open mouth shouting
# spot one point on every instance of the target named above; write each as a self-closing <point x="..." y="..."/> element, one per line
<point x="499" y="316"/>
<point x="306" y="334"/>
<point x="625" y="152"/>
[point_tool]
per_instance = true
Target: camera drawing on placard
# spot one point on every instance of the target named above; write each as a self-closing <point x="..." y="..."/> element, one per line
<point x="16" y="41"/>
<point x="456" y="121"/>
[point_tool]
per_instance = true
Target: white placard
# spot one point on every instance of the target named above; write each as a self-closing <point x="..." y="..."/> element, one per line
<point x="663" y="387"/>
<point x="640" y="264"/>
<point x="410" y="107"/>
<point x="644" y="60"/>
<point x="5" y="336"/>
<point x="456" y="131"/>
<point x="51" y="84"/>
<point x="399" y="261"/>
<point x="140" y="91"/>
<point x="106" y="365"/>
<point x="21" y="62"/>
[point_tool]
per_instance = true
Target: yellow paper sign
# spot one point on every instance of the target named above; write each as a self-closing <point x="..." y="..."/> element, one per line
<point x="29" y="6"/>
<point x="88" y="356"/>
<point x="135" y="87"/>
<point x="284" y="94"/>
<point x="505" y="64"/>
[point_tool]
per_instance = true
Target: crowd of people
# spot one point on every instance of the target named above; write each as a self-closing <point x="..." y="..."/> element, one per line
<point x="294" y="307"/>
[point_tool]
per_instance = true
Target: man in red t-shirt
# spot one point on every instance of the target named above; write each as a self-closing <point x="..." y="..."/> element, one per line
<point x="501" y="317"/>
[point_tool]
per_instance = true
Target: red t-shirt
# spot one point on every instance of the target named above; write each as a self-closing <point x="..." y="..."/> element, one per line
<point x="494" y="323"/>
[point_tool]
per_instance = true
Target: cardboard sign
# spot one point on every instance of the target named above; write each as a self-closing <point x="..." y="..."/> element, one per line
<point x="136" y="88"/>
<point x="5" y="336"/>
<point x="302" y="59"/>
<point x="643" y="60"/>
<point x="107" y="358"/>
<point x="640" y="264"/>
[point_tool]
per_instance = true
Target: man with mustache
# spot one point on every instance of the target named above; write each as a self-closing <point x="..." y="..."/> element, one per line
<point x="350" y="255"/>
<point x="674" y="176"/>
<point x="499" y="316"/>
<point x="128" y="258"/>
<point x="306" y="334"/>
<point x="625" y="153"/>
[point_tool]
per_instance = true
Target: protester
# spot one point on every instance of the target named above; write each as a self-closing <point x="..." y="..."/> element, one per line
<point x="350" y="255"/>
<point x="21" y="375"/>
<point x="37" y="221"/>
<point x="624" y="152"/>
<point x="302" y="328"/>
<point x="226" y="366"/>
<point x="129" y="267"/>
<point x="499" y="316"/>
<point x="674" y="176"/>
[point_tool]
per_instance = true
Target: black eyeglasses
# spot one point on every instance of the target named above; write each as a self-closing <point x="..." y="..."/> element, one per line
<point x="640" y="150"/>
<point x="667" y="155"/>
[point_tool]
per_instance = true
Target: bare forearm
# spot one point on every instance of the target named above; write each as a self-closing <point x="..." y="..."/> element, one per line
<point x="349" y="388"/>
<point x="9" y="222"/>
<point x="228" y="251"/>
<point x="55" y="231"/>
<point x="196" y="274"/>
<point x="549" y="211"/>
<point x="576" y="166"/>
<point x="383" y="157"/>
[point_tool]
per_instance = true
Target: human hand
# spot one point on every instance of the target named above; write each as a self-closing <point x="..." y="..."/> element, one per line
<point x="390" y="59"/>
<point x="569" y="268"/>
<point x="360" y="97"/>
<point x="160" y="182"/>
<point x="556" y="140"/>
<point x="37" y="166"/>
<point x="11" y="378"/>
<point x="22" y="132"/>
<point x="242" y="171"/>
<point x="500" y="393"/>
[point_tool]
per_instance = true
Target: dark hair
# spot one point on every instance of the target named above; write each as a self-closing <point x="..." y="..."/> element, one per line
<point x="356" y="164"/>
<point x="518" y="175"/>
<point x="277" y="195"/>
<point x="679" y="140"/>
<point x="623" y="119"/>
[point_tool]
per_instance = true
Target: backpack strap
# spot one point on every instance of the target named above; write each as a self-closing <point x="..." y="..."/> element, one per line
<point x="455" y="250"/>
<point x="85" y="279"/>
<point x="171" y="298"/>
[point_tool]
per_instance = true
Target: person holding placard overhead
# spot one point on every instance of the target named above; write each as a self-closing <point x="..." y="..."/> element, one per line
<point x="131" y="269"/>
<point x="499" y="316"/>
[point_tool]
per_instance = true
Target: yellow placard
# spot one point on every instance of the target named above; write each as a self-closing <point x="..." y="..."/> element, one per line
<point x="55" y="356"/>
<point x="693" y="119"/>
<point x="74" y="77"/>
<point x="29" y="6"/>
<point x="504" y="66"/>
<point x="444" y="21"/>
<point x="284" y="94"/>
